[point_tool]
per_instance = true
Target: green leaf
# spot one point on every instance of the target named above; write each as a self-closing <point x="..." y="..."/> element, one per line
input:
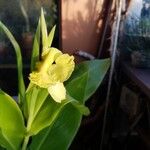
<point x="31" y="102"/>
<point x="42" y="95"/>
<point x="12" y="129"/>
<point x="83" y="83"/>
<point x="86" y="78"/>
<point x="35" y="98"/>
<point x="36" y="48"/>
<point x="21" y="85"/>
<point x="60" y="135"/>
<point x="46" y="115"/>
<point x="51" y="36"/>
<point x="44" y="30"/>
<point x="42" y="113"/>
<point x="80" y="107"/>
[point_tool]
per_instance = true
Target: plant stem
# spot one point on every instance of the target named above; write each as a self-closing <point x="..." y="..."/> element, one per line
<point x="25" y="142"/>
<point x="26" y="139"/>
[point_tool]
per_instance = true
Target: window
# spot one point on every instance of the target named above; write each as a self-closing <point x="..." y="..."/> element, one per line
<point x="21" y="17"/>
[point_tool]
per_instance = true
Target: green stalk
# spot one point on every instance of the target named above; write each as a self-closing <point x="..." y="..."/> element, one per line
<point x="26" y="139"/>
<point x="25" y="142"/>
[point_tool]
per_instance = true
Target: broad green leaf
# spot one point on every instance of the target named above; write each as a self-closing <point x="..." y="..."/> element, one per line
<point x="83" y="83"/>
<point x="86" y="78"/>
<point x="47" y="115"/>
<point x="12" y="129"/>
<point x="43" y="113"/>
<point x="21" y="85"/>
<point x="60" y="135"/>
<point x="44" y="30"/>
<point x="36" y="48"/>
<point x="51" y="36"/>
<point x="79" y="106"/>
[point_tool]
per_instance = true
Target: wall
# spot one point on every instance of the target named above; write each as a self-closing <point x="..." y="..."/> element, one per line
<point x="80" y="25"/>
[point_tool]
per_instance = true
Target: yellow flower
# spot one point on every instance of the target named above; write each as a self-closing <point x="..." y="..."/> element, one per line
<point x="53" y="70"/>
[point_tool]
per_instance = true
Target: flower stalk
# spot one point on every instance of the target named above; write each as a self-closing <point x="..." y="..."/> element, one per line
<point x="25" y="142"/>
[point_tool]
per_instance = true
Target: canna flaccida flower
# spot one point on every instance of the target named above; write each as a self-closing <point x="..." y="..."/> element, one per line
<point x="53" y="70"/>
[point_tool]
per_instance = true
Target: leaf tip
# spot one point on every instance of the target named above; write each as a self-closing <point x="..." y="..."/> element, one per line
<point x="42" y="12"/>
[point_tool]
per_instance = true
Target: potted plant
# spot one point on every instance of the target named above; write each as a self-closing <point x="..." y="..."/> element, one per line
<point x="48" y="112"/>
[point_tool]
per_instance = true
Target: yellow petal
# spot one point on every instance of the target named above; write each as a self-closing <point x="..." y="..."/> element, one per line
<point x="63" y="68"/>
<point x="49" y="58"/>
<point x="57" y="92"/>
<point x="40" y="79"/>
<point x="54" y="69"/>
<point x="67" y="63"/>
<point x="65" y="59"/>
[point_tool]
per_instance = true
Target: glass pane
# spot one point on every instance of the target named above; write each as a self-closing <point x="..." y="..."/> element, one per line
<point x="136" y="33"/>
<point x="21" y="17"/>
